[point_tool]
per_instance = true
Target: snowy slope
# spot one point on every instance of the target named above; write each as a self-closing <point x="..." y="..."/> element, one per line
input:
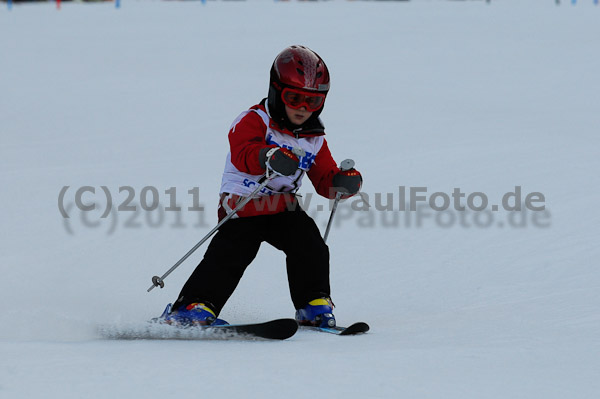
<point x="424" y="93"/>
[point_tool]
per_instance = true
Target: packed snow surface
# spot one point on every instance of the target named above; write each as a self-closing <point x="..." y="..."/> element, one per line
<point x="436" y="94"/>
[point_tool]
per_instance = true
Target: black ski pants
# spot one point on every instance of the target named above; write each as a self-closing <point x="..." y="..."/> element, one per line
<point x="236" y="244"/>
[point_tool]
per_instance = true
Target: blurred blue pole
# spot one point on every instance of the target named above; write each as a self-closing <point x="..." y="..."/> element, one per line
<point x="117" y="3"/>
<point x="573" y="1"/>
<point x="203" y="1"/>
<point x="9" y="5"/>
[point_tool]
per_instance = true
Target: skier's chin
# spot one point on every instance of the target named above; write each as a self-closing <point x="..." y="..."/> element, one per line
<point x="298" y="120"/>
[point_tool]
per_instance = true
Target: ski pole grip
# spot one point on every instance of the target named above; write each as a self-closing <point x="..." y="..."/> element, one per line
<point x="347" y="164"/>
<point x="299" y="152"/>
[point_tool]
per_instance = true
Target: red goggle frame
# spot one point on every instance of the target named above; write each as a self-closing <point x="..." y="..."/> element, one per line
<point x="297" y="99"/>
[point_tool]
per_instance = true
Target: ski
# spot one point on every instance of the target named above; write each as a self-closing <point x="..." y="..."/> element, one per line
<point x="275" y="329"/>
<point x="356" y="328"/>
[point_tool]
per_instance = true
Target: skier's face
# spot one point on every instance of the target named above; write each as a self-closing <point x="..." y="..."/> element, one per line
<point x="297" y="116"/>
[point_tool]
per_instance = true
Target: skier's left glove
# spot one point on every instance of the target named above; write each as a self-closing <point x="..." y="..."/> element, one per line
<point x="347" y="182"/>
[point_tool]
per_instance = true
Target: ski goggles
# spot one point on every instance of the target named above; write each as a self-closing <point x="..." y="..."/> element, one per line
<point x="297" y="99"/>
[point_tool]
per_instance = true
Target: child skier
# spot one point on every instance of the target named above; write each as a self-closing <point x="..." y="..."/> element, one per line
<point x="268" y="136"/>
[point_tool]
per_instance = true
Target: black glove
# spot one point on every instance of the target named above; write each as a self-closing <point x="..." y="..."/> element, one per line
<point x="347" y="182"/>
<point x="279" y="159"/>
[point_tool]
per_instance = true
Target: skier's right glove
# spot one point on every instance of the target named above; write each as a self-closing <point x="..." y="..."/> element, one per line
<point x="280" y="160"/>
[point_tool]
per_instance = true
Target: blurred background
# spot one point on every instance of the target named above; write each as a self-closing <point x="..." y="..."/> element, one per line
<point x="481" y="96"/>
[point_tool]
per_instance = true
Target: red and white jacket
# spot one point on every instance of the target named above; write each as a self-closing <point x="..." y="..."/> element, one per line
<point x="253" y="130"/>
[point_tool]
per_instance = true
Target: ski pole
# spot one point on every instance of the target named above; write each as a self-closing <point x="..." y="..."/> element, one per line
<point x="345" y="165"/>
<point x="159" y="281"/>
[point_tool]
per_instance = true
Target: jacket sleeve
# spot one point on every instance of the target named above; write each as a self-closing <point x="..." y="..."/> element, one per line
<point x="246" y="139"/>
<point x="322" y="171"/>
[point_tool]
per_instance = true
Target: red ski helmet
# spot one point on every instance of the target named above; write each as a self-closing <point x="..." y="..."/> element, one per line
<point x="300" y="70"/>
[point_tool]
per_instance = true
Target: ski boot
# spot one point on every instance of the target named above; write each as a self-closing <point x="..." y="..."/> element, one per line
<point x="194" y="314"/>
<point x="317" y="314"/>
